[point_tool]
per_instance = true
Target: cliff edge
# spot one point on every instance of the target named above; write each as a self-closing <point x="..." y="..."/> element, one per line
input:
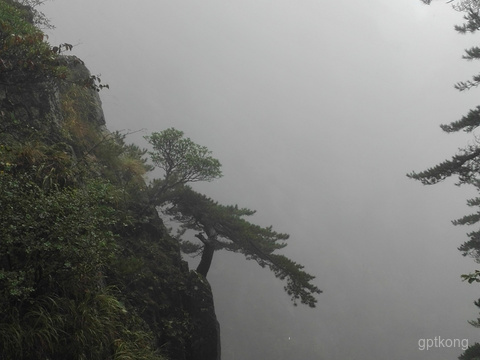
<point x="87" y="268"/>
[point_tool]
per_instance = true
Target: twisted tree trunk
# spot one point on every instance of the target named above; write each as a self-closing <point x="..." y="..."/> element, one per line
<point x="208" y="250"/>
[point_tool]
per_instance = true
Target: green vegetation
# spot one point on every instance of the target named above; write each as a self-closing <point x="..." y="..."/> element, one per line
<point x="76" y="263"/>
<point x="466" y="164"/>
<point x="25" y="56"/>
<point x="61" y="231"/>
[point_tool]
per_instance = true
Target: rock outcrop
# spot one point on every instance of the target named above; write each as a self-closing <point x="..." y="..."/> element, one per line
<point x="206" y="329"/>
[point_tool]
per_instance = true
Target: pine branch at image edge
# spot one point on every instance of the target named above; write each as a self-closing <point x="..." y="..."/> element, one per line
<point x="465" y="165"/>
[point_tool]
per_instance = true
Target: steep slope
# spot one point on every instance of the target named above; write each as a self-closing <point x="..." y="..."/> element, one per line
<point x="87" y="269"/>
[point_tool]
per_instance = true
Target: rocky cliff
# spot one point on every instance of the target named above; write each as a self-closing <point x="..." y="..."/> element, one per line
<point x="87" y="268"/>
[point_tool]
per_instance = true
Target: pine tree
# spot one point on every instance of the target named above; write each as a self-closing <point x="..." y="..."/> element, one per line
<point x="218" y="226"/>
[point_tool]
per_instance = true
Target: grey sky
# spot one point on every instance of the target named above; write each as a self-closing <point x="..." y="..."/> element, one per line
<point x="317" y="110"/>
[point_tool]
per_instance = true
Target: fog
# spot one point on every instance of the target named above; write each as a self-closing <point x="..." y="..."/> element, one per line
<point x="316" y="110"/>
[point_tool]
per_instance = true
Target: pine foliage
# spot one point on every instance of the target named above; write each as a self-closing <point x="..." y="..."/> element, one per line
<point x="465" y="165"/>
<point x="233" y="232"/>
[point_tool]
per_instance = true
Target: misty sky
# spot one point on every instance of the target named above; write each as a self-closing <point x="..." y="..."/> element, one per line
<point x="317" y="110"/>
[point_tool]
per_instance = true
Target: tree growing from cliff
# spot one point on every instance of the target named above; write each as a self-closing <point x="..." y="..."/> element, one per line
<point x="218" y="226"/>
<point x="223" y="227"/>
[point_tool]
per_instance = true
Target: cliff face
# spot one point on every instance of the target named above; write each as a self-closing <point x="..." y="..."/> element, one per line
<point x="87" y="269"/>
<point x="206" y="329"/>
